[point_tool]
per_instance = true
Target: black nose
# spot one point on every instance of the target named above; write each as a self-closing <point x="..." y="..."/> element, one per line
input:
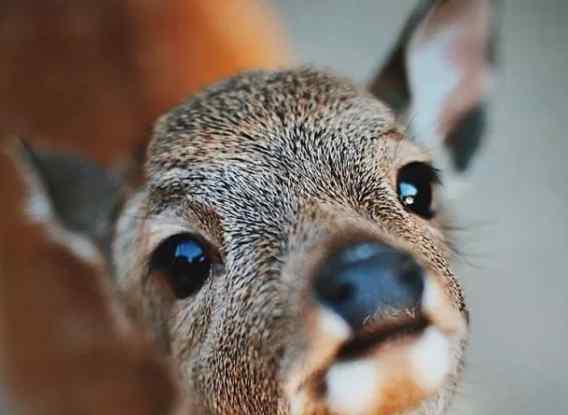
<point x="367" y="279"/>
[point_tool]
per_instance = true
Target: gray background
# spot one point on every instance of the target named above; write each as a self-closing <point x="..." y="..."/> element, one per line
<point x="515" y="235"/>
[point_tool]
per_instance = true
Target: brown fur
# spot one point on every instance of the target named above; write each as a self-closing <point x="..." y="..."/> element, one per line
<point x="275" y="171"/>
<point x="270" y="168"/>
<point x="65" y="345"/>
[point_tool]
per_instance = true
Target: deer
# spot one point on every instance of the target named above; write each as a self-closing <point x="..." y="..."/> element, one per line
<point x="283" y="250"/>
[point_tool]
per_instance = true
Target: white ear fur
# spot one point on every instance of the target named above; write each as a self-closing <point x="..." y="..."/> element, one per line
<point x="431" y="80"/>
<point x="448" y="67"/>
<point x="40" y="211"/>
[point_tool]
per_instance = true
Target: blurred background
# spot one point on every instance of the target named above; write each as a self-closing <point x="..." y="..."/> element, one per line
<point x="92" y="76"/>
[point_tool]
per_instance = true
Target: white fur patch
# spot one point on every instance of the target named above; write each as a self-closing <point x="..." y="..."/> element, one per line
<point x="332" y="325"/>
<point x="298" y="403"/>
<point x="40" y="211"/>
<point x="158" y="229"/>
<point x="442" y="314"/>
<point x="431" y="299"/>
<point x="352" y="386"/>
<point x="432" y="78"/>
<point x="127" y="230"/>
<point x="430" y="357"/>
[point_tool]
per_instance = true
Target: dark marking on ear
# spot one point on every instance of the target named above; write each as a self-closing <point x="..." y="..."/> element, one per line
<point x="84" y="198"/>
<point x="391" y="83"/>
<point x="466" y="138"/>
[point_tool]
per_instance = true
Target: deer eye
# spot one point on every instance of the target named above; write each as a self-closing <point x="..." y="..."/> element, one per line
<point x="415" y="183"/>
<point x="184" y="261"/>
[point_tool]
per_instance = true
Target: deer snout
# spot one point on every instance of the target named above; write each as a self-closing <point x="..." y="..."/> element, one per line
<point x="380" y="334"/>
<point x="369" y="280"/>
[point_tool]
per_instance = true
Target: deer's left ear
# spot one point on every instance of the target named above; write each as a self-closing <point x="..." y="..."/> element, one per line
<point x="75" y="199"/>
<point x="440" y="74"/>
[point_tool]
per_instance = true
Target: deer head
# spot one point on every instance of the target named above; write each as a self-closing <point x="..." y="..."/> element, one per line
<point x="287" y="249"/>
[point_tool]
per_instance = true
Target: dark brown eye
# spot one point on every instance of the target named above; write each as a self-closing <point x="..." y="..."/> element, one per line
<point x="184" y="260"/>
<point x="415" y="188"/>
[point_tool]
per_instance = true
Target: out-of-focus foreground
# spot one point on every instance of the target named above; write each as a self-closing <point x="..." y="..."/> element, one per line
<point x="92" y="77"/>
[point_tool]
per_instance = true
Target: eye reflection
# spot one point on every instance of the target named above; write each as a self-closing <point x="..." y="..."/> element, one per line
<point x="415" y="188"/>
<point x="407" y="193"/>
<point x="189" y="251"/>
<point x="184" y="260"/>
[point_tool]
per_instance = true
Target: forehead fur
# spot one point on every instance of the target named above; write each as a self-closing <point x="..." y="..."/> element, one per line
<point x="260" y="133"/>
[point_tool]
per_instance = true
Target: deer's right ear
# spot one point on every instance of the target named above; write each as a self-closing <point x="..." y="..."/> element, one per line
<point x="439" y="75"/>
<point x="74" y="198"/>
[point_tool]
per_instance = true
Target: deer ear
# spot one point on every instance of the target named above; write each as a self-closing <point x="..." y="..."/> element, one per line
<point x="75" y="198"/>
<point x="439" y="75"/>
<point x="68" y="344"/>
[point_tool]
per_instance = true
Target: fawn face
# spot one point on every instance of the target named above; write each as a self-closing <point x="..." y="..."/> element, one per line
<point x="305" y="275"/>
<point x="288" y="246"/>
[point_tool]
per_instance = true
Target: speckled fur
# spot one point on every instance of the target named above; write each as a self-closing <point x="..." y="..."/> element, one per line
<point x="272" y="168"/>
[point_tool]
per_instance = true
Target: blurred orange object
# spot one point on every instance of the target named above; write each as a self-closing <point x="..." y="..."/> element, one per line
<point x="92" y="75"/>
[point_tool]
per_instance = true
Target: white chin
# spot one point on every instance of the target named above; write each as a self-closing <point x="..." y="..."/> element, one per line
<point x="352" y="387"/>
<point x="398" y="375"/>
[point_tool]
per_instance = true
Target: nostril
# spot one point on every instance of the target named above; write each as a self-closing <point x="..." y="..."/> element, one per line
<point x="412" y="276"/>
<point x="338" y="293"/>
<point x="369" y="279"/>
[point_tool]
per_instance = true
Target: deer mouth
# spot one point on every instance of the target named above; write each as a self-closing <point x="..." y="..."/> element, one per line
<point x="372" y="338"/>
<point x="388" y="366"/>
